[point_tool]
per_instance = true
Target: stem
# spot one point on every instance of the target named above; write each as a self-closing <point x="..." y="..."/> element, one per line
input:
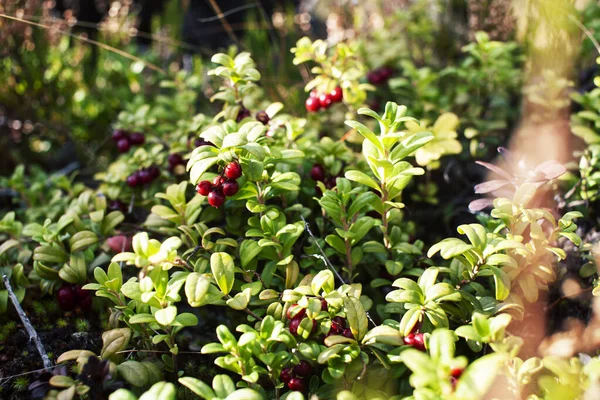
<point x="247" y="310"/>
<point x="384" y="220"/>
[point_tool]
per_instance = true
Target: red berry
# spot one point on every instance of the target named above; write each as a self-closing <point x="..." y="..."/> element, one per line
<point x="119" y="134"/>
<point x="300" y="312"/>
<point x="216" y="199"/>
<point x="374" y="77"/>
<point x="453" y="381"/>
<point x="303" y="370"/>
<point x="294" y="324"/>
<point x="336" y="95"/>
<point x="243" y="113"/>
<point x="313" y="93"/>
<point x="233" y="170"/>
<point x="297" y="385"/>
<point x="419" y="342"/>
<point x="137" y="138"/>
<point x="312" y="104"/>
<point x="175" y="159"/>
<point x="119" y="243"/>
<point x="286" y="375"/>
<point x="338" y="323"/>
<point x="218" y="181"/>
<point x="386" y="72"/>
<point x="348" y="333"/>
<point x="133" y="180"/>
<point x="84" y="298"/>
<point x="456" y="372"/>
<point x="263" y="117"/>
<point x="154" y="171"/>
<point x="409" y="339"/>
<point x="317" y="173"/>
<point x="324" y="305"/>
<point x="230" y="188"/>
<point x="325" y="100"/>
<point x="145" y="176"/>
<point x="66" y="298"/>
<point x="117" y="205"/>
<point x="204" y="188"/>
<point x="123" y="145"/>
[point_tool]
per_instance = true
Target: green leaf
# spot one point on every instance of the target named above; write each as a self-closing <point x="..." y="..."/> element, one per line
<point x="223" y="270"/>
<point x="166" y="316"/>
<point x="367" y="133"/>
<point x="476" y="380"/>
<point x="133" y="372"/>
<point x="246" y="394"/>
<point x="323" y="281"/>
<point x="357" y="317"/>
<point x="82" y="240"/>
<point x="198" y="387"/>
<point x="384" y="334"/>
<point x="501" y="283"/>
<point x="249" y="249"/>
<point x="362" y="178"/>
<point x="196" y="288"/>
<point x="223" y="385"/>
<point x="160" y="391"/>
<point x="410" y="145"/>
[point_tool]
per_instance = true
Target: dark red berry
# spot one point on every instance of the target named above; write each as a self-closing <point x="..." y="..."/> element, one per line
<point x="175" y="159"/>
<point x="137" y="138"/>
<point x="133" y="180"/>
<point x="348" y="333"/>
<point x="154" y="171"/>
<point x="336" y="95"/>
<point x="296" y="384"/>
<point x="317" y="173"/>
<point x="201" y="142"/>
<point x="300" y="312"/>
<point x="243" y="113"/>
<point x="374" y="77"/>
<point x="456" y="372"/>
<point x="453" y="381"/>
<point x="123" y="145"/>
<point x="312" y="104"/>
<point x="66" y="298"/>
<point x="303" y="370"/>
<point x="119" y="134"/>
<point x="218" y="181"/>
<point x="145" y="176"/>
<point x="116" y="205"/>
<point x="338" y="324"/>
<point x="286" y="375"/>
<point x="419" y="342"/>
<point x="233" y="170"/>
<point x="386" y="72"/>
<point x="325" y="100"/>
<point x="263" y="117"/>
<point x="409" y="339"/>
<point x="204" y="188"/>
<point x="216" y="199"/>
<point x="84" y="298"/>
<point x="230" y="188"/>
<point x="323" y="305"/>
<point x="294" y="324"/>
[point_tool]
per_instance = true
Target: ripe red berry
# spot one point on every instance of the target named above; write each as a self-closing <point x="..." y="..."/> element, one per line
<point x="119" y="134"/>
<point x="230" y="188"/>
<point x="338" y="324"/>
<point x="233" y="170"/>
<point x="456" y="372"/>
<point x="348" y="333"/>
<point x="317" y="173"/>
<point x="419" y="343"/>
<point x="137" y="138"/>
<point x="66" y="298"/>
<point x="313" y="93"/>
<point x="204" y="188"/>
<point x="154" y="171"/>
<point x="325" y="100"/>
<point x="409" y="339"/>
<point x="294" y="324"/>
<point x="374" y="77"/>
<point x="175" y="159"/>
<point x="218" y="181"/>
<point x="133" y="180"/>
<point x="336" y="94"/>
<point x="303" y="370"/>
<point x="123" y="146"/>
<point x="297" y="385"/>
<point x="116" y="205"/>
<point x="386" y="72"/>
<point x="286" y="375"/>
<point x="145" y="176"/>
<point x="119" y="243"/>
<point x="243" y="113"/>
<point x="312" y="104"/>
<point x="300" y="312"/>
<point x="83" y="298"/>
<point x="324" y="305"/>
<point x="263" y="117"/>
<point x="216" y="199"/>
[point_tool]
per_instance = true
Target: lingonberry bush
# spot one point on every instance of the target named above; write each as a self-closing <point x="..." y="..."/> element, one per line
<point x="278" y="246"/>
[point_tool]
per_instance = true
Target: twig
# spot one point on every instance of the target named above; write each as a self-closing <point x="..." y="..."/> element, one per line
<point x="224" y="21"/>
<point x="226" y="13"/>
<point x="8" y="378"/>
<point x="327" y="263"/>
<point x="30" y="329"/>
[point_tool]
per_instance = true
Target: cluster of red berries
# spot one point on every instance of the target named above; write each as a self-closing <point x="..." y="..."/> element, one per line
<point x="380" y="75"/>
<point x="295" y="378"/>
<point x="324" y="100"/>
<point x="415" y="340"/>
<point x="125" y="140"/>
<point x="222" y="186"/>
<point x="317" y="173"/>
<point x="71" y="296"/>
<point x="338" y="327"/>
<point x="143" y="176"/>
<point x="174" y="161"/>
